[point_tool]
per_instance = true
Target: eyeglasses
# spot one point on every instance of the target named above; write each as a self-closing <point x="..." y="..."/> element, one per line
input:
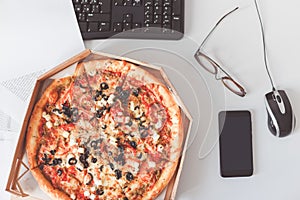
<point x="213" y="67"/>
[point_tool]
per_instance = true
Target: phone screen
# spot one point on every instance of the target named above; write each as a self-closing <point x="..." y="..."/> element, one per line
<point x="235" y="143"/>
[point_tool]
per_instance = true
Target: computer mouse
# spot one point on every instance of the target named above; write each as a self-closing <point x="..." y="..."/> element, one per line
<point x="281" y="118"/>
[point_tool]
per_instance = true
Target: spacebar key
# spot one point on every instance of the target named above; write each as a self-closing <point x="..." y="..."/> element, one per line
<point x="98" y="17"/>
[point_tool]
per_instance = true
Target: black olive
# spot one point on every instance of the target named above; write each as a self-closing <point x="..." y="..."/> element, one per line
<point x="144" y="134"/>
<point x="105" y="97"/>
<point x="120" y="159"/>
<point x="67" y="111"/>
<point x="99" y="113"/>
<point x="90" y="178"/>
<point x="57" y="110"/>
<point x="95" y="144"/>
<point x="118" y="174"/>
<point x="79" y="169"/>
<point x="99" y="191"/>
<point x="118" y="89"/>
<point x="94" y="160"/>
<point x="98" y="93"/>
<point x="86" y="165"/>
<point x="124" y="95"/>
<point x="140" y="155"/>
<point x="46" y="159"/>
<point x="72" y="161"/>
<point x="110" y="153"/>
<point x="74" y="115"/>
<point x="121" y="148"/>
<point x="101" y="168"/>
<point x="112" y="166"/>
<point x="133" y="144"/>
<point x="41" y="166"/>
<point x="56" y="161"/>
<point x="53" y="152"/>
<point x="136" y="92"/>
<point x="86" y="152"/>
<point x="104" y="86"/>
<point x="59" y="172"/>
<point x="82" y="158"/>
<point x="129" y="123"/>
<point x="104" y="126"/>
<point x="125" y="198"/>
<point x="129" y="176"/>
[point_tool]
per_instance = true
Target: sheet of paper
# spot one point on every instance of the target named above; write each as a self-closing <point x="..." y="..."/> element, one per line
<point x="35" y="36"/>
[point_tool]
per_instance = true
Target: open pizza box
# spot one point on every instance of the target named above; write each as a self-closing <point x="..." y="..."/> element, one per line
<point x="23" y="185"/>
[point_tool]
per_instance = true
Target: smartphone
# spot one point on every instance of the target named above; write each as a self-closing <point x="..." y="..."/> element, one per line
<point x="235" y="143"/>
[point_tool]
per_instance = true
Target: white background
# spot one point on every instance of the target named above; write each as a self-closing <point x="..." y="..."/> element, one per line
<point x="236" y="44"/>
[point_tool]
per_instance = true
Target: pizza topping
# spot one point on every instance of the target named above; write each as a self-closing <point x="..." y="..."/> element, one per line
<point x="100" y="191"/>
<point x="72" y="161"/>
<point x="104" y="86"/>
<point x="129" y="176"/>
<point x="118" y="174"/>
<point x="88" y="179"/>
<point x="59" y="172"/>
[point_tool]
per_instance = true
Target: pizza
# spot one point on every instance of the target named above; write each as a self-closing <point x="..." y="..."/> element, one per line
<point x="111" y="130"/>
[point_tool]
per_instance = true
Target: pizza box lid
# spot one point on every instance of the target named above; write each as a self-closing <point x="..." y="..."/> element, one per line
<point x="21" y="183"/>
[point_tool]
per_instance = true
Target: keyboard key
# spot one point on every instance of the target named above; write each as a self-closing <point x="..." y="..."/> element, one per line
<point x="157" y="19"/>
<point x="94" y="2"/>
<point x="98" y="17"/>
<point x="127" y="26"/>
<point x="83" y="26"/>
<point x="118" y="2"/>
<point x="84" y="1"/>
<point x="167" y="10"/>
<point x="167" y="3"/>
<point x="81" y="17"/>
<point x="127" y="3"/>
<point x="105" y="6"/>
<point x="136" y="25"/>
<point x="148" y="2"/>
<point x="95" y="9"/>
<point x="104" y="27"/>
<point x="136" y="3"/>
<point x="158" y="2"/>
<point x="117" y="27"/>
<point x="157" y="10"/>
<point x="127" y="18"/>
<point x="77" y="8"/>
<point x="86" y="8"/>
<point x="148" y="10"/>
<point x="176" y="24"/>
<point x="176" y="7"/>
<point x="93" y="27"/>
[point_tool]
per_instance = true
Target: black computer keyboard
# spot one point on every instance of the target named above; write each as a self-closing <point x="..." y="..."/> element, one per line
<point x="140" y="19"/>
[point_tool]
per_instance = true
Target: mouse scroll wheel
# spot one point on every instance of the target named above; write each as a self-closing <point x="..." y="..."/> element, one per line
<point x="278" y="98"/>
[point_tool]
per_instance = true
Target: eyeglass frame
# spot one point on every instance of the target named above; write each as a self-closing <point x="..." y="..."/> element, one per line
<point x="216" y="66"/>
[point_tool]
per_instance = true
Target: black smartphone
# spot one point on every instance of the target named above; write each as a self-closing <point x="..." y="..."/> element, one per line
<point x="235" y="143"/>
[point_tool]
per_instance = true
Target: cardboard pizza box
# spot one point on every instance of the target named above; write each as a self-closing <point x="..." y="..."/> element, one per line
<point x="23" y="185"/>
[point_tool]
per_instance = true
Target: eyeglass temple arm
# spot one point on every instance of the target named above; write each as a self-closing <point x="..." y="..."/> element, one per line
<point x="212" y="30"/>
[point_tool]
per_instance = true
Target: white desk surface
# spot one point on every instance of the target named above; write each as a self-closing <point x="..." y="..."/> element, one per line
<point x="237" y="45"/>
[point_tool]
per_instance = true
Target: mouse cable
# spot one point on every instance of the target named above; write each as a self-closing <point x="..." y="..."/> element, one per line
<point x="264" y="45"/>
